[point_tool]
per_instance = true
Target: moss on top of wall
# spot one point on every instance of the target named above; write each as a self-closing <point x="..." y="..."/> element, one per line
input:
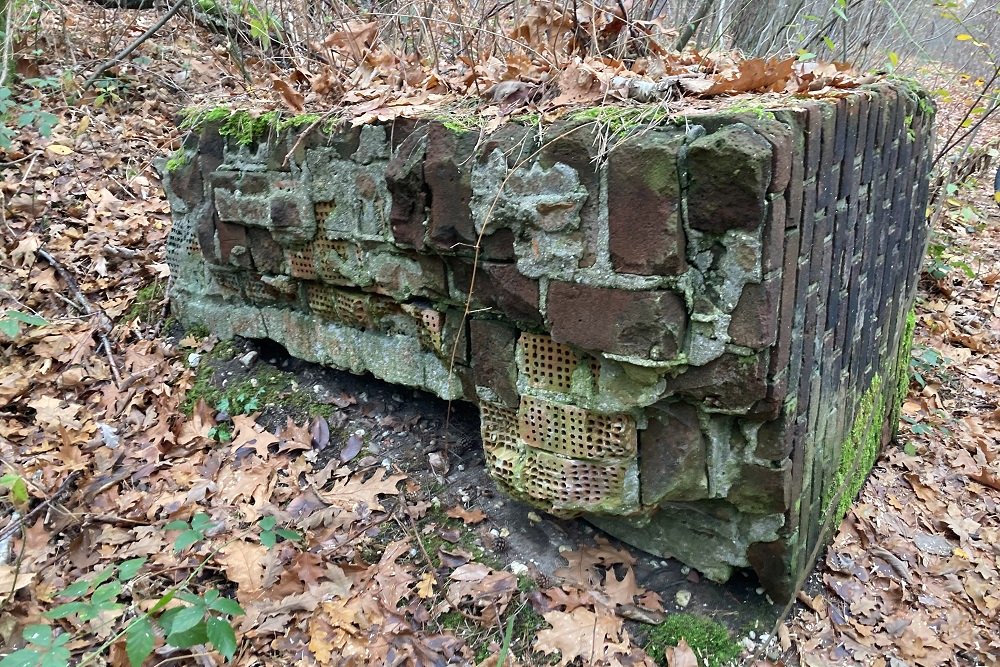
<point x="245" y="127"/>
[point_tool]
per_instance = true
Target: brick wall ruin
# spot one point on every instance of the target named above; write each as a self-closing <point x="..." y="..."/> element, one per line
<point x="693" y="334"/>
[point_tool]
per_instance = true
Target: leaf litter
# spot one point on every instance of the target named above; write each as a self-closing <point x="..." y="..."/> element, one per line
<point x="103" y="445"/>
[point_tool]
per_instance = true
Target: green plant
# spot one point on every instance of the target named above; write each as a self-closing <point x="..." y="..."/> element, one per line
<point x="203" y="619"/>
<point x="941" y="262"/>
<point x="16" y="487"/>
<point x="270" y="532"/>
<point x="11" y="321"/>
<point x="17" y="115"/>
<point x="192" y="531"/>
<point x="709" y="640"/>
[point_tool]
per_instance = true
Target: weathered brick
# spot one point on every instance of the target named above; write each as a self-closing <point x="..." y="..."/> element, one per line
<point x="404" y="177"/>
<point x="754" y="322"/>
<point x="645" y="234"/>
<point x="500" y="288"/>
<point x="672" y="455"/>
<point x="729" y="173"/>
<point x="760" y="489"/>
<point x="229" y="236"/>
<point x="648" y="324"/>
<point x="447" y="172"/>
<point x="731" y="382"/>
<point x="268" y="257"/>
<point x="780" y="137"/>
<point x="574" y="143"/>
<point x="774" y="235"/>
<point x="493" y="354"/>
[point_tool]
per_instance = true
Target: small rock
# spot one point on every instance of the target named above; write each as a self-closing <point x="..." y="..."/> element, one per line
<point x="438" y="463"/>
<point x="748" y="644"/>
<point x="760" y="591"/>
<point x="518" y="567"/>
<point x="247" y="359"/>
<point x="684" y="568"/>
<point x="534" y="518"/>
<point x="194" y="359"/>
<point x="682" y="598"/>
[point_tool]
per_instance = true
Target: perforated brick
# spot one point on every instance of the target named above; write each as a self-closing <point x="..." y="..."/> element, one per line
<point x="348" y="308"/>
<point x="301" y="263"/>
<point x="574" y="432"/>
<point x="569" y="484"/>
<point x="549" y="365"/>
<point x="323" y="210"/>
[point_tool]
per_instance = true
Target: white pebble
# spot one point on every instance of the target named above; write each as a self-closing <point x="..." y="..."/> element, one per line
<point x="683" y="598"/>
<point x="518" y="568"/>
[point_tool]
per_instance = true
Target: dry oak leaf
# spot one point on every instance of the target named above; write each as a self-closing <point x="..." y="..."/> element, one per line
<point x="354" y="491"/>
<point x="248" y="433"/>
<point x="51" y="413"/>
<point x="243" y="563"/>
<point x="680" y="655"/>
<point x="580" y="633"/>
<point x="469" y="517"/>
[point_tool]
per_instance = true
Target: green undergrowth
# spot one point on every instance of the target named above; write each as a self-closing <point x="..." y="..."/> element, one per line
<point x="148" y="303"/>
<point x="263" y="388"/>
<point x="709" y="640"/>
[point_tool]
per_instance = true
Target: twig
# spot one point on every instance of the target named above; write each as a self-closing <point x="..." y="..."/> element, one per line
<point x="121" y="55"/>
<point x="63" y="489"/>
<point x="87" y="308"/>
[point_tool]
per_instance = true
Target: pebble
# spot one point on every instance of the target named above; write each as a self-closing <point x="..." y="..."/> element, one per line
<point x="518" y="567"/>
<point x="247" y="359"/>
<point x="685" y="570"/>
<point x="194" y="359"/>
<point x="534" y="518"/>
<point x="760" y="591"/>
<point x="683" y="598"/>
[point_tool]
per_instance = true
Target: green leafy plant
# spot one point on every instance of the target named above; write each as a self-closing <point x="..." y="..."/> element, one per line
<point x="192" y="531"/>
<point x="270" y="532"/>
<point x="16" y="487"/>
<point x="17" y="115"/>
<point x="45" y="648"/>
<point x="194" y="620"/>
<point x="205" y="620"/>
<point x="10" y="323"/>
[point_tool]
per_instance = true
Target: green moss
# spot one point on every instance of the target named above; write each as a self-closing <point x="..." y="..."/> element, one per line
<point x="903" y="357"/>
<point x="744" y="107"/>
<point x="178" y="159"/>
<point x="710" y="641"/>
<point x="197" y="331"/>
<point x="244" y="127"/>
<point x="623" y="119"/>
<point x="147" y="305"/>
<point x="265" y="388"/>
<point x="859" y="451"/>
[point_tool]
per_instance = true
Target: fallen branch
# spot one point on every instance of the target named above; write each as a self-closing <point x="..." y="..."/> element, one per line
<point x="121" y="55"/>
<point x="87" y="308"/>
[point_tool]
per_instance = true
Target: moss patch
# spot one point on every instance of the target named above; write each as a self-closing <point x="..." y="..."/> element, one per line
<point x="903" y="357"/>
<point x="859" y="450"/>
<point x="148" y="303"/>
<point x="624" y="120"/>
<point x="710" y="641"/>
<point x="245" y="127"/>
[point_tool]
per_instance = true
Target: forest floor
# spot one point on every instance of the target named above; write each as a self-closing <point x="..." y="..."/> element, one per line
<point x="155" y="480"/>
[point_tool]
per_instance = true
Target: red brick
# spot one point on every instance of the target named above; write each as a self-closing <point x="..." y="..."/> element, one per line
<point x="645" y="232"/>
<point x="649" y="324"/>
